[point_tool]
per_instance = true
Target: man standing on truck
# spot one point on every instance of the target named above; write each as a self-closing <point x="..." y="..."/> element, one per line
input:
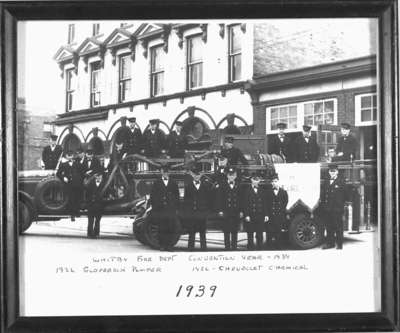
<point x="333" y="196"/>
<point x="70" y="174"/>
<point x="347" y="144"/>
<point x="197" y="202"/>
<point x="94" y="197"/>
<point x="154" y="140"/>
<point x="90" y="164"/>
<point x="305" y="147"/>
<point x="51" y="154"/>
<point x="280" y="144"/>
<point x="233" y="154"/>
<point x="164" y="199"/>
<point x="229" y="200"/>
<point x="177" y="142"/>
<point x="134" y="142"/>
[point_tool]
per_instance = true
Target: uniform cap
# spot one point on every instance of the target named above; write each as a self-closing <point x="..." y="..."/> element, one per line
<point x="69" y="153"/>
<point x="345" y="125"/>
<point x="306" y="128"/>
<point x="229" y="139"/>
<point x="196" y="169"/>
<point x="255" y="176"/>
<point x="89" y="151"/>
<point x="231" y="170"/>
<point x="132" y="119"/>
<point x="79" y="150"/>
<point x="332" y="166"/>
<point x="164" y="167"/>
<point x="98" y="172"/>
<point x="53" y="137"/>
<point x="281" y="125"/>
<point x="275" y="176"/>
<point x="154" y="121"/>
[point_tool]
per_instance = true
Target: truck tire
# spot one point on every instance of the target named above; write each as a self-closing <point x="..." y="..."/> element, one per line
<point x="51" y="196"/>
<point x="305" y="232"/>
<point x="26" y="214"/>
<point x="151" y="233"/>
<point x="138" y="230"/>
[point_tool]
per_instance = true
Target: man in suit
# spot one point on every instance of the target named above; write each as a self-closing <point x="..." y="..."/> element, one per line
<point x="177" y="142"/>
<point x="231" y="128"/>
<point x="277" y="199"/>
<point x="90" y="164"/>
<point x="164" y="200"/>
<point x="280" y="144"/>
<point x="70" y="174"/>
<point x="255" y="212"/>
<point x="229" y="199"/>
<point x="94" y="197"/>
<point x="233" y="154"/>
<point x="51" y="154"/>
<point x="333" y="196"/>
<point x="347" y="145"/>
<point x="305" y="147"/>
<point x="196" y="207"/>
<point x="134" y="140"/>
<point x="154" y="140"/>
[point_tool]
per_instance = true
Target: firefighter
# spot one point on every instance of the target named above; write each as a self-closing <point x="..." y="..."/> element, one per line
<point x="255" y="212"/>
<point x="154" y="140"/>
<point x="51" y="154"/>
<point x="164" y="198"/>
<point x="94" y="197"/>
<point x="347" y="144"/>
<point x="90" y="164"/>
<point x="134" y="140"/>
<point x="177" y="142"/>
<point x="333" y="196"/>
<point x="305" y="148"/>
<point x="277" y="200"/>
<point x="197" y="202"/>
<point x="231" y="128"/>
<point x="70" y="174"/>
<point x="280" y="144"/>
<point x="229" y="208"/>
<point x="233" y="154"/>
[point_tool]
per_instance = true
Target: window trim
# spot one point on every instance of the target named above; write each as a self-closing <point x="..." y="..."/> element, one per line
<point x="300" y="114"/>
<point x="91" y="84"/>
<point x="357" y="109"/>
<point x="154" y="73"/>
<point x="188" y="65"/>
<point x="121" y="80"/>
<point x="68" y="92"/>
<point x="232" y="55"/>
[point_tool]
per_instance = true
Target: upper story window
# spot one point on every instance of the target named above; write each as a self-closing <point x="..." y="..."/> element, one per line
<point x="95" y="80"/>
<point x="70" y="88"/>
<point x="295" y="115"/>
<point x="124" y="77"/>
<point x="194" y="62"/>
<point x="235" y="53"/>
<point x="96" y="29"/>
<point x="156" y="71"/>
<point x="71" y="33"/>
<point x="365" y="109"/>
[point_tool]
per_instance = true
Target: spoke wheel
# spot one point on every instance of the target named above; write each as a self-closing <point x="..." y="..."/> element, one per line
<point x="304" y="232"/>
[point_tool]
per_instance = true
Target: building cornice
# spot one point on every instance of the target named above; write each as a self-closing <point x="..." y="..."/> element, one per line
<point x="76" y="116"/>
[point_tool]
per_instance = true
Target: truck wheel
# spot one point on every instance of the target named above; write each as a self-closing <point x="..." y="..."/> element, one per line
<point x="305" y="232"/>
<point x="151" y="233"/>
<point x="51" y="197"/>
<point x="25" y="216"/>
<point x="138" y="230"/>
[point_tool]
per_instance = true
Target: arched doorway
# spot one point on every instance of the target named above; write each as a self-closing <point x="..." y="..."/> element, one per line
<point x="97" y="145"/>
<point x="71" y="142"/>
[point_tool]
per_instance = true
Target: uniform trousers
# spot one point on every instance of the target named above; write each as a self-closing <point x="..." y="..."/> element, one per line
<point x="75" y="194"/>
<point x="274" y="229"/>
<point x="231" y="227"/>
<point x="95" y="212"/>
<point x="256" y="225"/>
<point x="197" y="224"/>
<point x="166" y="222"/>
<point x="334" y="227"/>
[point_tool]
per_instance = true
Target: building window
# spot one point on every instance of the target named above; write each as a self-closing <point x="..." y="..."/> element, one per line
<point x="71" y="33"/>
<point x="95" y="80"/>
<point x="235" y="53"/>
<point x="194" y="62"/>
<point x="156" y="71"/>
<point x="70" y="89"/>
<point x="124" y="78"/>
<point x="96" y="29"/>
<point x="327" y="139"/>
<point x="365" y="109"/>
<point x="295" y="115"/>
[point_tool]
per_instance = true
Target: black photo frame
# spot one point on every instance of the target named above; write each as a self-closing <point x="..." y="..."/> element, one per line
<point x="387" y="13"/>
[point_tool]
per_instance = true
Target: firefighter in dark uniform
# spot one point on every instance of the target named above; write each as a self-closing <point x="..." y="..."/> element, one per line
<point x="255" y="212"/>
<point x="233" y="154"/>
<point x="229" y="199"/>
<point x="51" y="154"/>
<point x="70" y="174"/>
<point x="80" y="159"/>
<point x="177" y="142"/>
<point x="280" y="144"/>
<point x="154" y="140"/>
<point x="95" y="204"/>
<point x="164" y="199"/>
<point x="333" y="196"/>
<point x="305" y="148"/>
<point x="196" y="207"/>
<point x="90" y="164"/>
<point x="231" y="128"/>
<point x="134" y="142"/>
<point x="277" y="200"/>
<point x="347" y="144"/>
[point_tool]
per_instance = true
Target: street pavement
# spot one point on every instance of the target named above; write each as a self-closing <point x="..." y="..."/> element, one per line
<point x="116" y="234"/>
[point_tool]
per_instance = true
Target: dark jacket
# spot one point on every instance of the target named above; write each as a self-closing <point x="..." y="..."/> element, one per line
<point x="278" y="147"/>
<point x="164" y="198"/>
<point x="153" y="143"/>
<point x="304" y="152"/>
<point x="197" y="200"/>
<point x="95" y="165"/>
<point x="72" y="173"/>
<point x="348" y="146"/>
<point x="50" y="158"/>
<point x="229" y="201"/>
<point x="255" y="204"/>
<point x="94" y="193"/>
<point x="277" y="203"/>
<point x="234" y="156"/>
<point x="333" y="196"/>
<point x="177" y="144"/>
<point x="134" y="141"/>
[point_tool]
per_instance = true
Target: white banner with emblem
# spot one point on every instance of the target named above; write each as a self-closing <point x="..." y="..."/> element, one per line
<point x="302" y="182"/>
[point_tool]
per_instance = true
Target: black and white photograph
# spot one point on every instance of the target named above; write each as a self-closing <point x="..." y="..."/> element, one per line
<point x="185" y="166"/>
